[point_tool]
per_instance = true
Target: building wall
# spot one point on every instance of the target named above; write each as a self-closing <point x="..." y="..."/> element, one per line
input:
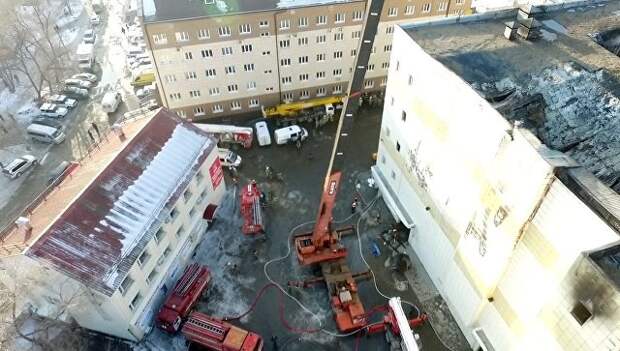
<point x="268" y="81"/>
<point x="493" y="227"/>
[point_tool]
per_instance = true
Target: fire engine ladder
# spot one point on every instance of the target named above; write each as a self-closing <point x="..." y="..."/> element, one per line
<point x="213" y="328"/>
<point x="187" y="280"/>
<point x="257" y="216"/>
<point x="408" y="340"/>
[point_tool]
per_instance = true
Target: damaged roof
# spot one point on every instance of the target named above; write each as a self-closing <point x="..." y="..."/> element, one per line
<point x="563" y="86"/>
<point x="98" y="237"/>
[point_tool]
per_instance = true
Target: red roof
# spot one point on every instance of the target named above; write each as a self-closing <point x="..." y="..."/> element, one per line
<point x="103" y="231"/>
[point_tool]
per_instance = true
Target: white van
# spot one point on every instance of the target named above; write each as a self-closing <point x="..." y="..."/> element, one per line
<point x="46" y="134"/>
<point x="110" y="101"/>
<point x="262" y="134"/>
<point x="290" y="134"/>
<point x="228" y="158"/>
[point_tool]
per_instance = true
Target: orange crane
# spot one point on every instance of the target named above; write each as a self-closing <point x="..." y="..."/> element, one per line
<point x="322" y="246"/>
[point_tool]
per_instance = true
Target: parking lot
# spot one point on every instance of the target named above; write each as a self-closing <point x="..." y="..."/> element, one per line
<point x="81" y="123"/>
<point x="239" y="263"/>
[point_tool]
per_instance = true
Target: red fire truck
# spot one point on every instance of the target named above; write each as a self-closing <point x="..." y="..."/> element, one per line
<point x="217" y="335"/>
<point x="251" y="209"/>
<point x="184" y="296"/>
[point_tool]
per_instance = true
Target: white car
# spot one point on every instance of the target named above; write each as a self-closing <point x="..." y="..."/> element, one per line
<point x="63" y="100"/>
<point x="53" y="110"/>
<point x="95" y="19"/>
<point x="262" y="133"/>
<point x="19" y="166"/>
<point x="72" y="82"/>
<point x="229" y="158"/>
<point x="89" y="36"/>
<point x="89" y="77"/>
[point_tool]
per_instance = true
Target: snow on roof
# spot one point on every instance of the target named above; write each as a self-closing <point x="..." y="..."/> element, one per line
<point x="100" y="235"/>
<point x="298" y="3"/>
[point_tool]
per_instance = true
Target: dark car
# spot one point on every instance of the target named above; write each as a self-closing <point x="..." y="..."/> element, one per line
<point x="46" y="121"/>
<point x="75" y="93"/>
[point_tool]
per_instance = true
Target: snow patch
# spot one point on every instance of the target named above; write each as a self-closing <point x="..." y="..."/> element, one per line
<point x="555" y="26"/>
<point x="548" y="36"/>
<point x="297" y="3"/>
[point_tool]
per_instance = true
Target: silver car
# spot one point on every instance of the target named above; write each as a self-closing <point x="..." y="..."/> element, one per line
<point x="72" y="82"/>
<point x="19" y="166"/>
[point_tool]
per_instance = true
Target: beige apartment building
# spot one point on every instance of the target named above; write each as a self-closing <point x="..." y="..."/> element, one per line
<point x="108" y="240"/>
<point x="229" y="57"/>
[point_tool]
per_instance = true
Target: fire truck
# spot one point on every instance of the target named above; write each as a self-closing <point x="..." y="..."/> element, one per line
<point x="229" y="134"/>
<point x="251" y="209"/>
<point x="217" y="335"/>
<point x="183" y="297"/>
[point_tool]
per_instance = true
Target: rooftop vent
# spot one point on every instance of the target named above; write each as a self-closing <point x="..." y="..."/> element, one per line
<point x="526" y="26"/>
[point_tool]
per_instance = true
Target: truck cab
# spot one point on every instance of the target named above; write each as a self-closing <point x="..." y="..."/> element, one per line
<point x="290" y="134"/>
<point x="215" y="334"/>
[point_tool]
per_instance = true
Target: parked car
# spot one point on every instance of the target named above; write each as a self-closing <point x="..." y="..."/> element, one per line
<point x="19" y="166"/>
<point x="89" y="77"/>
<point x="89" y="36"/>
<point x="262" y="133"/>
<point x="46" y="134"/>
<point x="143" y="79"/>
<point x="58" y="171"/>
<point x="62" y="100"/>
<point x="110" y="101"/>
<point x="75" y="93"/>
<point x="228" y="158"/>
<point x="53" y="110"/>
<point x="46" y="121"/>
<point x="72" y="82"/>
<point x="290" y="134"/>
<point x="95" y="19"/>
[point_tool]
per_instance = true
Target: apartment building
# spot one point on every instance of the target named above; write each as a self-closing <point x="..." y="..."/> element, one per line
<point x="228" y="57"/>
<point x="107" y="242"/>
<point x="521" y="240"/>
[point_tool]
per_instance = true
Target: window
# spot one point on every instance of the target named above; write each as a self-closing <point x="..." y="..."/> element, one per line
<point x="170" y="78"/>
<point x="338" y="72"/>
<point x="251" y="85"/>
<point x="189" y="55"/>
<point x="135" y="302"/>
<point x="246" y="48"/>
<point x="180" y="231"/>
<point x="383" y="159"/>
<point x="144" y="258"/>
<point x="410" y="9"/>
<point x="393" y="174"/>
<point x="253" y="103"/>
<point x="203" y="34"/>
<point x="403" y="116"/>
<point x="264" y="34"/>
<point x="235" y="105"/>
<point x="339" y="18"/>
<point x="263" y="24"/>
<point x="320" y="39"/>
<point x="356" y="34"/>
<point x="397" y="146"/>
<point x="459" y="2"/>
<point x="337" y="89"/>
<point x="187" y="195"/>
<point x="224" y="31"/>
<point x="353" y="52"/>
<point x="320" y="75"/>
<point x="191" y="76"/>
<point x="385" y="65"/>
<point x="159" y="236"/>
<point x="442" y="6"/>
<point x="287" y="80"/>
<point x="217" y="108"/>
<point x="181" y="113"/>
<point x="339" y="36"/>
<point x="182" y="36"/>
<point x="285" y="44"/>
<point x="303" y="21"/>
<point x="230" y="70"/>
<point x="426" y="8"/>
<point x="214" y="91"/>
<point x="392" y="11"/>
<point x="302" y="41"/>
<point x="151" y="277"/>
<point x="287" y="97"/>
<point x="285" y="62"/>
<point x="374" y="50"/>
<point x="337" y="54"/>
<point x="392" y="101"/>
<point x="248" y="67"/>
<point x="265" y="53"/>
<point x="233" y="88"/>
<point x="245" y="29"/>
<point x="125" y="285"/>
<point x="410" y="81"/>
<point x="267" y="71"/>
<point x="397" y="65"/>
<point x="303" y="59"/>
<point x="210" y="73"/>
<point x="285" y="24"/>
<point x="166" y="252"/>
<point x="582" y="312"/>
<point x="175" y="96"/>
<point x="160" y="39"/>
<point x="371" y="67"/>
<point x="304" y="94"/>
<point x="389" y="30"/>
<point x="206" y="53"/>
<point x="320" y="92"/>
<point x="320" y="57"/>
<point x="227" y="51"/>
<point x="165" y="60"/>
<point x="357" y="15"/>
<point x="387" y="48"/>
<point x="303" y="77"/>
<point x="194" y="94"/>
<point x="198" y="111"/>
<point x="369" y="83"/>
<point x="321" y="20"/>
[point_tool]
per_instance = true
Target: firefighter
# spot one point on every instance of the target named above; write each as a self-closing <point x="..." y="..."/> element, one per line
<point x="354" y="205"/>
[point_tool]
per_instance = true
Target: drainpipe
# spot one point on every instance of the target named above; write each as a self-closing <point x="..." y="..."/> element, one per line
<point x="448" y="8"/>
<point x="275" y="27"/>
